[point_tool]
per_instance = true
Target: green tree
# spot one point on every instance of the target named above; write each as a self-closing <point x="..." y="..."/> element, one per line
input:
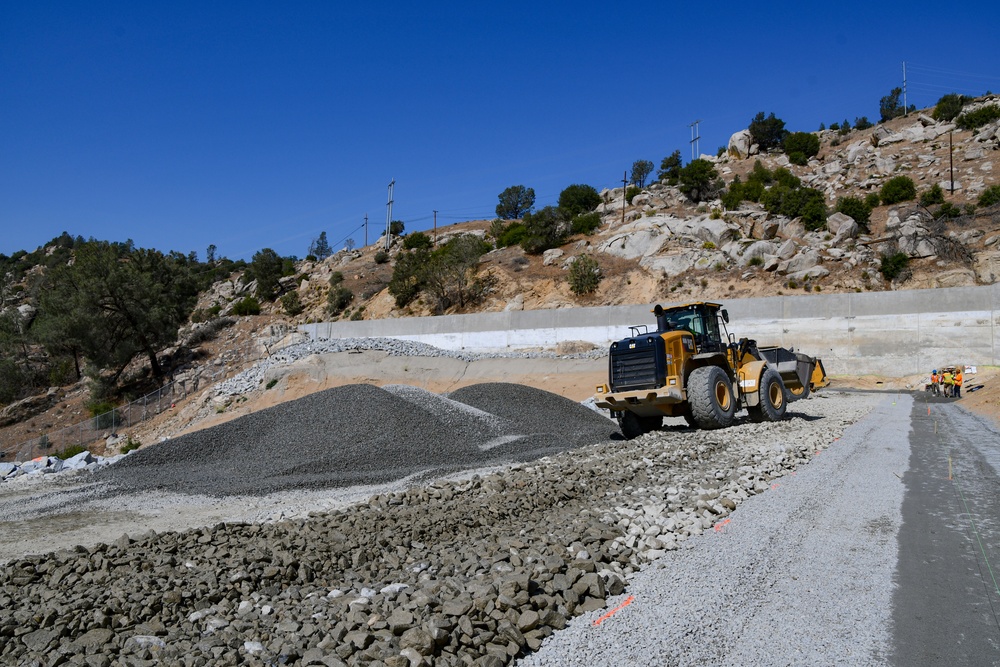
<point x="266" y="267"/>
<point x="889" y="106"/>
<point x="320" y="247"/>
<point x="697" y="180"/>
<point x="670" y="169"/>
<point x="544" y="229"/>
<point x="408" y="276"/>
<point x="767" y="132"/>
<point x="449" y="276"/>
<point x="862" y="123"/>
<point x="515" y="201"/>
<point x="578" y="199"/>
<point x="117" y="302"/>
<point x="396" y="227"/>
<point x="640" y="170"/>
<point x="210" y="254"/>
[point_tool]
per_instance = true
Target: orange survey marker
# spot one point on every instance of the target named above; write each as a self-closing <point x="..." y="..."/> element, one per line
<point x="722" y="524"/>
<point x="629" y="600"/>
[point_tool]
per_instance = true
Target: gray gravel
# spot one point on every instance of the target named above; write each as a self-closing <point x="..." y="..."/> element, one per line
<point x="479" y="570"/>
<point x="362" y="434"/>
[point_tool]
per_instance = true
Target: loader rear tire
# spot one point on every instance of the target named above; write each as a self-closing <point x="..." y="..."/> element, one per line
<point x="773" y="399"/>
<point x="710" y="393"/>
<point x="633" y="425"/>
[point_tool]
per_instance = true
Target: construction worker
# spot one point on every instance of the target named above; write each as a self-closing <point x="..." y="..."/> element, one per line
<point x="958" y="382"/>
<point x="935" y="383"/>
<point x="949" y="383"/>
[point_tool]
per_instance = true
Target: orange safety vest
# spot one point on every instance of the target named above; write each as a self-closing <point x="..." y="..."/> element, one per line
<point x="934" y="378"/>
<point x="958" y="379"/>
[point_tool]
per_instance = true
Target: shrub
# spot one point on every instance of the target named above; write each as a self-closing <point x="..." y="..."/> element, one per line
<point x="798" y="158"/>
<point x="417" y="240"/>
<point x="768" y="132"/>
<point x="804" y="144"/>
<point x="973" y="120"/>
<point x="544" y="229"/>
<point x="933" y="195"/>
<point x="512" y="234"/>
<point x="246" y="306"/>
<point x="292" y="304"/>
<point x="862" y="123"/>
<point x="630" y="193"/>
<point x="381" y="257"/>
<point x="949" y="210"/>
<point x="756" y="261"/>
<point x="130" y="445"/>
<point x="893" y="265"/>
<point x="708" y="245"/>
<point x="784" y="177"/>
<point x="270" y="383"/>
<point x="990" y="196"/>
<point x="586" y="223"/>
<point x="856" y="209"/>
<point x="760" y="174"/>
<point x="948" y="106"/>
<point x="895" y="190"/>
<point x="396" y="227"/>
<point x="578" y="199"/>
<point x="697" y="180"/>
<point x="338" y="299"/>
<point x="71" y="451"/>
<point x="872" y="200"/>
<point x="336" y="278"/>
<point x="584" y="275"/>
<point x="734" y="195"/>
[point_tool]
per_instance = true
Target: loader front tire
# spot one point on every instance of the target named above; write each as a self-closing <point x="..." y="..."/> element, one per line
<point x="710" y="393"/>
<point x="633" y="425"/>
<point x="773" y="399"/>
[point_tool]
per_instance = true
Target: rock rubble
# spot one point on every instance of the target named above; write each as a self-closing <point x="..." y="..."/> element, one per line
<point x="475" y="571"/>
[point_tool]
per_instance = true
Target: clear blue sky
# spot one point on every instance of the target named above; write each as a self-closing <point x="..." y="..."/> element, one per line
<point x="260" y="124"/>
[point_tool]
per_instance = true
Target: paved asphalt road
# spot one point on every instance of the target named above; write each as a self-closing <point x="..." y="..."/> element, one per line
<point x="946" y="605"/>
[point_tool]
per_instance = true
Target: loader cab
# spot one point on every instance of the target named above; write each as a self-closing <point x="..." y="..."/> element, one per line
<point x="702" y="319"/>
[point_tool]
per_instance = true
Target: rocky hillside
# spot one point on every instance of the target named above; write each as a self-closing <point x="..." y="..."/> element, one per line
<point x="662" y="246"/>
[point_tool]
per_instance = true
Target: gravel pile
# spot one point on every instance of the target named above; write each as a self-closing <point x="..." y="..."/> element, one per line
<point x="362" y="434"/>
<point x="251" y="379"/>
<point x="477" y="571"/>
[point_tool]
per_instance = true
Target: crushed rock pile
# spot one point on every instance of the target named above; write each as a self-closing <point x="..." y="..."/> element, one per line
<point x="470" y="572"/>
<point x="362" y="434"/>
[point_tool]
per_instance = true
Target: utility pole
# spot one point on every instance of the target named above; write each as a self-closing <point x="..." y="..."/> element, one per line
<point x="904" y="89"/>
<point x="366" y="230"/>
<point x="695" y="136"/>
<point x="624" y="194"/>
<point x="435" y="227"/>
<point x="951" y="165"/>
<point x="388" y="214"/>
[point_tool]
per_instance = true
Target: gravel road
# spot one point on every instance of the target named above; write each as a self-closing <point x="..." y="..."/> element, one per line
<point x="801" y="575"/>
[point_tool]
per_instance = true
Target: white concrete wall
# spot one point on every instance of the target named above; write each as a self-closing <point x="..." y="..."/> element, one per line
<point x="885" y="333"/>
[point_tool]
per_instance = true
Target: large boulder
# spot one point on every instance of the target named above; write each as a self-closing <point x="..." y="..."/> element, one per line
<point x="741" y="145"/>
<point x="668" y="265"/>
<point x="759" y="249"/>
<point x="988" y="267"/>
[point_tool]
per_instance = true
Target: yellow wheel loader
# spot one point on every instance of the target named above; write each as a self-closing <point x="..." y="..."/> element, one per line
<point x="692" y="367"/>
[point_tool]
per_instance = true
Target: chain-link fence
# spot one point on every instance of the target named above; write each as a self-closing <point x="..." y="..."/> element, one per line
<point x="105" y="425"/>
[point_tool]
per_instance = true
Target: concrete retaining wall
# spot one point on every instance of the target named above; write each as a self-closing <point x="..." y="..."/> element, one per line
<point x="885" y="333"/>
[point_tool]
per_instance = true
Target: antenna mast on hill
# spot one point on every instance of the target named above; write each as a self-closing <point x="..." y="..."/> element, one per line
<point x="695" y="136"/>
<point x="388" y="214"/>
